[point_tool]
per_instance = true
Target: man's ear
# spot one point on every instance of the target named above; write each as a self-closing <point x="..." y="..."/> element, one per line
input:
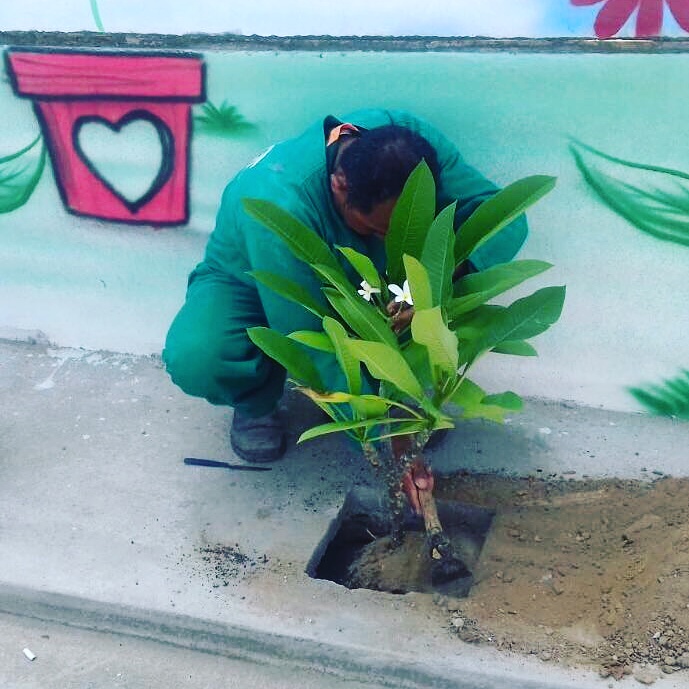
<point x="338" y="183"/>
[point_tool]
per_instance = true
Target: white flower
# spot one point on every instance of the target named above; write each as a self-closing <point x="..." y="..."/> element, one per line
<point x="367" y="291"/>
<point x="402" y="294"/>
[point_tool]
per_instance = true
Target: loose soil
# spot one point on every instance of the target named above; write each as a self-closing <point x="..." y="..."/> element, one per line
<point x="583" y="572"/>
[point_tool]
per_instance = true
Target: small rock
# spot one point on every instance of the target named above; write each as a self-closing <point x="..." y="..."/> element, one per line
<point x="546" y="656"/>
<point x="646" y="675"/>
<point x="669" y="669"/>
<point x="683" y="660"/>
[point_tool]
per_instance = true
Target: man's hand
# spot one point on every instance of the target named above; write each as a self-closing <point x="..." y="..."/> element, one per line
<point x="401" y="315"/>
<point x="419" y="478"/>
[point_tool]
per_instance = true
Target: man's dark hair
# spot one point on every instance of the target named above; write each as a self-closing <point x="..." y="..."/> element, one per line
<point x="377" y="163"/>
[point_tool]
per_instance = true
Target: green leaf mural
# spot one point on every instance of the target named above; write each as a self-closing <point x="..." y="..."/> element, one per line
<point x="20" y="172"/>
<point x="654" y="199"/>
<point x="671" y="398"/>
<point x="96" y="16"/>
<point x="223" y="120"/>
<point x="656" y="202"/>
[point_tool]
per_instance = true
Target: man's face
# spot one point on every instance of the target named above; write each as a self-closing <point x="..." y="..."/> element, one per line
<point x="375" y="223"/>
<point x="372" y="224"/>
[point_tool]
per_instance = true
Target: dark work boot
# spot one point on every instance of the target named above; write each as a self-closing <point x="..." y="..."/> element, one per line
<point x="259" y="439"/>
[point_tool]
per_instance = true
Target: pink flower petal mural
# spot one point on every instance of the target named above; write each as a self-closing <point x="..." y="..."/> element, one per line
<point x="649" y="18"/>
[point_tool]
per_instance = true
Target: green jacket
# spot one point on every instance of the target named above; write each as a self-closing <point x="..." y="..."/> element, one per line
<point x="293" y="174"/>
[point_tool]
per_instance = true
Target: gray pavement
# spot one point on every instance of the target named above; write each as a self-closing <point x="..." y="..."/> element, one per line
<point x="104" y="530"/>
<point x="70" y="658"/>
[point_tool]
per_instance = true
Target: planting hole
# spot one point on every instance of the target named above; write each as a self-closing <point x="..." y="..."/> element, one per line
<point x="357" y="553"/>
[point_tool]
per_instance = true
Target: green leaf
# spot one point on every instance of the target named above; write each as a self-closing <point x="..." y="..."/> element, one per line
<point x="19" y="176"/>
<point x="524" y="318"/>
<point x="405" y="429"/>
<point x="499" y="211"/>
<point x="337" y="279"/>
<point x="349" y="365"/>
<point x="416" y="356"/>
<point x="301" y="240"/>
<point x="478" y="288"/>
<point x="387" y="363"/>
<point x="429" y="329"/>
<point x="290" y="290"/>
<point x="470" y="397"/>
<point x="313" y="339"/>
<point x="471" y="325"/>
<point x="288" y="354"/>
<point x="660" y="209"/>
<point x="419" y="284"/>
<point x="516" y="347"/>
<point x="410" y="220"/>
<point x="362" y="264"/>
<point x="438" y="254"/>
<point x="337" y="426"/>
<point x="363" y="318"/>
<point x="325" y="397"/>
<point x="369" y="402"/>
<point x="369" y="407"/>
<point x="507" y="400"/>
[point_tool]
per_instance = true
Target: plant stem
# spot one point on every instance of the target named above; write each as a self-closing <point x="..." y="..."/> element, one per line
<point x="371" y="454"/>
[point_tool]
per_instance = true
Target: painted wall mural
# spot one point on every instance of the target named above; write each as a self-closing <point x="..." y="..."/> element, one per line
<point x="614" y="14"/>
<point x="654" y="199"/>
<point x="497" y="18"/>
<point x="91" y="104"/>
<point x="20" y="172"/>
<point x="68" y="269"/>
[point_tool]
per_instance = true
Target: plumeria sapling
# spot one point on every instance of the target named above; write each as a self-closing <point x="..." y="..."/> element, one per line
<point x="420" y="372"/>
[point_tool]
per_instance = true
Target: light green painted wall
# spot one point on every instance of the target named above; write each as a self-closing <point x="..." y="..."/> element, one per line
<point x="103" y="285"/>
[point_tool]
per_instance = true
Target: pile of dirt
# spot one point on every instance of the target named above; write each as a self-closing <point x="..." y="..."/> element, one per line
<point x="581" y="572"/>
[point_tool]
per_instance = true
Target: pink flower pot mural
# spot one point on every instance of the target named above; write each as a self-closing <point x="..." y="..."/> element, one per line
<point x="649" y="19"/>
<point x="112" y="95"/>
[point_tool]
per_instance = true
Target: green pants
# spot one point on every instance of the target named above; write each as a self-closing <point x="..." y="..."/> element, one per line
<point x="208" y="353"/>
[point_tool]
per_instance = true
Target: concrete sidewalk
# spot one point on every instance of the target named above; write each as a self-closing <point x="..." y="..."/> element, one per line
<point x="102" y="527"/>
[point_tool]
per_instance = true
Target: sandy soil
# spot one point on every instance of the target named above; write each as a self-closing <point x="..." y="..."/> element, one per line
<point x="579" y="572"/>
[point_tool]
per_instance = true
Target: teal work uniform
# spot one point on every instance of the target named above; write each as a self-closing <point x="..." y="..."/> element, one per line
<point x="207" y="351"/>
